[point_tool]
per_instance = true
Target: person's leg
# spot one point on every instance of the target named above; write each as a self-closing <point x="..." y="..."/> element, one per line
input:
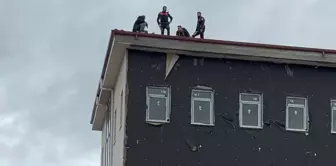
<point x="168" y="29"/>
<point x="195" y="34"/>
<point x="162" y="29"/>
<point x="142" y="27"/>
<point x="202" y="34"/>
<point x="136" y="28"/>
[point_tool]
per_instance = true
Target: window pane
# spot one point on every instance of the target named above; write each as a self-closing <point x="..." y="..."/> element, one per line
<point x="202" y="112"/>
<point x="250" y="97"/>
<point x="296" y="118"/>
<point x="250" y="115"/>
<point x="202" y="94"/>
<point x="158" y="90"/>
<point x="293" y="100"/>
<point x="157" y="108"/>
<point x="334" y="120"/>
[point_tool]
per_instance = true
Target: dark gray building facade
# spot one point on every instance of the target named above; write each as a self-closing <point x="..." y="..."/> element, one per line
<point x="217" y="110"/>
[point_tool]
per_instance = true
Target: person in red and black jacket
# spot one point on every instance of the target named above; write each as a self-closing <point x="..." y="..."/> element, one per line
<point x="163" y="20"/>
<point x="200" y="28"/>
<point x="181" y="31"/>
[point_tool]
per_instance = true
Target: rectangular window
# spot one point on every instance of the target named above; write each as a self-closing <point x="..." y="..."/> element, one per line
<point x="202" y="104"/>
<point x="333" y="116"/>
<point x="121" y="109"/>
<point x="250" y="110"/>
<point x="296" y="114"/>
<point x="158" y="104"/>
<point x="114" y="127"/>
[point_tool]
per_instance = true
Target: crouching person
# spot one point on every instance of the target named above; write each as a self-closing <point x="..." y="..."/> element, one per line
<point x="140" y="24"/>
<point x="181" y="31"/>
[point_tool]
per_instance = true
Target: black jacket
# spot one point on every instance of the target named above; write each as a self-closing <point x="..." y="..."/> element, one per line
<point x="140" y="20"/>
<point x="184" y="32"/>
<point x="163" y="17"/>
<point x="200" y="23"/>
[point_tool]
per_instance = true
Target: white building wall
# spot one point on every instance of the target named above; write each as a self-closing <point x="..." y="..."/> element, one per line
<point x="120" y="108"/>
<point x="118" y="117"/>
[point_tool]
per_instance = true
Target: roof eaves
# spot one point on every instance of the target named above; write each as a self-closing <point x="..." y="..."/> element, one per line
<point x="109" y="47"/>
<point x="223" y="42"/>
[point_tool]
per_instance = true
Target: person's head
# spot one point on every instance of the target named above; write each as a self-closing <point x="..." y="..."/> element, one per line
<point x="199" y="14"/>
<point x="164" y="8"/>
<point x="179" y="28"/>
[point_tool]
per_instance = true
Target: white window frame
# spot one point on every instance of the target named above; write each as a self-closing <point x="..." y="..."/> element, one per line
<point x="333" y="109"/>
<point x="211" y="100"/>
<point x="168" y="102"/>
<point x="305" y="113"/>
<point x="260" y="110"/>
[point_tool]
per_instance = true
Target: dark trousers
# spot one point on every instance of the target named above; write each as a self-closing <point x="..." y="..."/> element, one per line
<point x="164" y="26"/>
<point x="199" y="32"/>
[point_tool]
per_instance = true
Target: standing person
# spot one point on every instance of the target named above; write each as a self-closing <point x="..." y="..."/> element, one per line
<point x="140" y="24"/>
<point x="163" y="20"/>
<point x="181" y="31"/>
<point x="200" y="28"/>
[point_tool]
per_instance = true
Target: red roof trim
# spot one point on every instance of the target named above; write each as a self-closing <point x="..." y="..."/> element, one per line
<point x="222" y="42"/>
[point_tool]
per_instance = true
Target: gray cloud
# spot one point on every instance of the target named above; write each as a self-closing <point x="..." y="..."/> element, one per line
<point x="51" y="54"/>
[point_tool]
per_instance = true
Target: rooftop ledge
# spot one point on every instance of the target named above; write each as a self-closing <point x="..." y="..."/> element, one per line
<point x="122" y="40"/>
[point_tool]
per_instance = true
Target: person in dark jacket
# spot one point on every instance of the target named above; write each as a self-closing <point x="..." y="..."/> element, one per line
<point x="163" y="20"/>
<point x="181" y="31"/>
<point x="140" y="24"/>
<point x="200" y="28"/>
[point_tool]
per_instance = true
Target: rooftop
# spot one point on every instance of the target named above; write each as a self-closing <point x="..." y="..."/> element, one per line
<point x="122" y="40"/>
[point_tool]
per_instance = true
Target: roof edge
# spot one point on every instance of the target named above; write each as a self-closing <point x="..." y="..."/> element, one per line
<point x="224" y="42"/>
<point x="109" y="47"/>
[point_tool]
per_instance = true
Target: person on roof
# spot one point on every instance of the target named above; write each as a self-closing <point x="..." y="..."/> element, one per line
<point x="140" y="24"/>
<point x="200" y="28"/>
<point x="163" y="20"/>
<point x="181" y="31"/>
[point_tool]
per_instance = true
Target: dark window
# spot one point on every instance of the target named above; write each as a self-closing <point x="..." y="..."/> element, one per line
<point x="202" y="112"/>
<point x="296" y="114"/>
<point x="250" y="110"/>
<point x="158" y="104"/>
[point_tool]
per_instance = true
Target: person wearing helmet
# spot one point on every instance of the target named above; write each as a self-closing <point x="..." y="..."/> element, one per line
<point x="140" y="24"/>
<point x="181" y="31"/>
<point x="200" y="28"/>
<point x="163" y="20"/>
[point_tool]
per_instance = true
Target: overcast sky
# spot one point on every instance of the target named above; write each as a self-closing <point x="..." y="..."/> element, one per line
<point x="51" y="55"/>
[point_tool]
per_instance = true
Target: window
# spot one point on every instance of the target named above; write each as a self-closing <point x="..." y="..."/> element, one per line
<point x="250" y="110"/>
<point x="333" y="116"/>
<point x="202" y="102"/>
<point x="106" y="139"/>
<point x="296" y="114"/>
<point x="121" y="109"/>
<point x="114" y="126"/>
<point x="158" y="104"/>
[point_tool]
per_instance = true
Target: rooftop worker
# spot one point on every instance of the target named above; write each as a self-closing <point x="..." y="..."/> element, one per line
<point x="181" y="31"/>
<point x="200" y="28"/>
<point x="140" y="24"/>
<point x="163" y="20"/>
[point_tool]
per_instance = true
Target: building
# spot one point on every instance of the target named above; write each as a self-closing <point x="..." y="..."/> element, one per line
<point x="175" y="101"/>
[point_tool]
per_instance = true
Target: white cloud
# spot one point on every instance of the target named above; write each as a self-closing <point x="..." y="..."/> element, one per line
<point x="51" y="54"/>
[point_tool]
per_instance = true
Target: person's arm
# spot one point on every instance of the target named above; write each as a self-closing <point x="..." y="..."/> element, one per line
<point x="171" y="18"/>
<point x="177" y="33"/>
<point x="158" y="19"/>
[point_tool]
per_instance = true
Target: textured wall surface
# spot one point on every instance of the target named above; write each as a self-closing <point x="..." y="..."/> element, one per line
<point x="226" y="143"/>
